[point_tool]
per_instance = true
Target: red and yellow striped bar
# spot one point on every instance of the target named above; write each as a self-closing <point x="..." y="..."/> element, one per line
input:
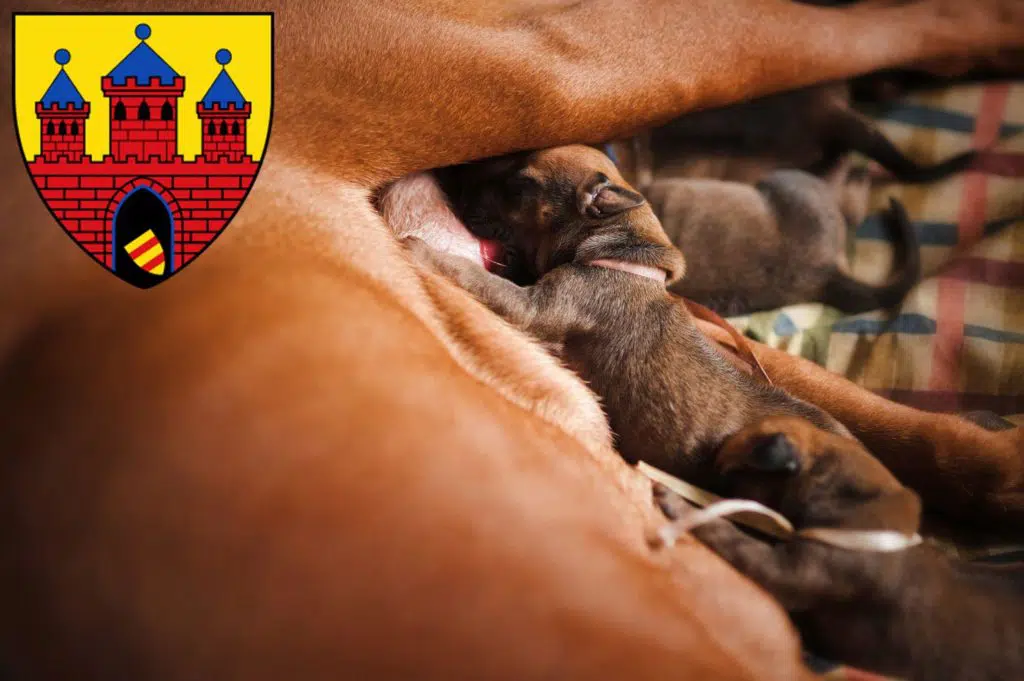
<point x="147" y="252"/>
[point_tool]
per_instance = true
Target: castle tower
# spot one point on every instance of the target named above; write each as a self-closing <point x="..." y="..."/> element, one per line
<point x="62" y="113"/>
<point x="224" y="115"/>
<point x="143" y="91"/>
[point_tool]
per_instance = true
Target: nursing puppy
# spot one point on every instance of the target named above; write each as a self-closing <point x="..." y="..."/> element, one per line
<point x="779" y="242"/>
<point x="600" y="302"/>
<point x="913" y="613"/>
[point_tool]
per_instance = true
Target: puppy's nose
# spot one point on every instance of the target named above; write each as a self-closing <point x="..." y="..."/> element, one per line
<point x="775" y="454"/>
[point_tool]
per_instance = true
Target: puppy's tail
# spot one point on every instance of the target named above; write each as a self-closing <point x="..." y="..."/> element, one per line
<point x="858" y="133"/>
<point x="852" y="296"/>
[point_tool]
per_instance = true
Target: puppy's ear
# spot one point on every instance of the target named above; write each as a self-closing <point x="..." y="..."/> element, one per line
<point x="774" y="454"/>
<point x="598" y="197"/>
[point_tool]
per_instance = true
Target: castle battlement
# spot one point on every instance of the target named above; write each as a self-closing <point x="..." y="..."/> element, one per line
<point x="232" y="110"/>
<point x="69" y="110"/>
<point x="132" y="86"/>
<point x="176" y="166"/>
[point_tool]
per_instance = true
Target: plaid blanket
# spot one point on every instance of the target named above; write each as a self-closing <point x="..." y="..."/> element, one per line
<point x="956" y="343"/>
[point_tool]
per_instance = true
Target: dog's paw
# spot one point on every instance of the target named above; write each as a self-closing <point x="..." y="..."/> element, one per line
<point x="415" y="245"/>
<point x="422" y="252"/>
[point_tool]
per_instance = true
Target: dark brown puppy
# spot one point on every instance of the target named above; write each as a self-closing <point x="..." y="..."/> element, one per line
<point x="601" y="302"/>
<point x="779" y="242"/>
<point x="810" y="128"/>
<point x="913" y="613"/>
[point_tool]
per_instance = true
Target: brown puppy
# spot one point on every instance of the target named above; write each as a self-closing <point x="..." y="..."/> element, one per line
<point x="780" y="242"/>
<point x="600" y="301"/>
<point x="810" y="128"/>
<point x="912" y="613"/>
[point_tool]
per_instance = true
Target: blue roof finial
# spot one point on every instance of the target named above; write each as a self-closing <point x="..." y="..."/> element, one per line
<point x="62" y="92"/>
<point x="223" y="92"/>
<point x="142" y="63"/>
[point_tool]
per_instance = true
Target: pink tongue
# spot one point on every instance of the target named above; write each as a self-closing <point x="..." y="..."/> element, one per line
<point x="493" y="254"/>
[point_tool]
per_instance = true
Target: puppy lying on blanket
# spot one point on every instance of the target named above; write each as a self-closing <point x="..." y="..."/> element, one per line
<point x="913" y="612"/>
<point x="811" y="128"/>
<point x="780" y="242"/>
<point x="601" y="302"/>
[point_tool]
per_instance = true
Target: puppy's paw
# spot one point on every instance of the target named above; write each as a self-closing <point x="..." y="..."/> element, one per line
<point x="455" y="268"/>
<point x="774" y="453"/>
<point x="670" y="503"/>
<point x="725" y="539"/>
<point x="417" y="248"/>
<point x="424" y="254"/>
<point x="773" y="445"/>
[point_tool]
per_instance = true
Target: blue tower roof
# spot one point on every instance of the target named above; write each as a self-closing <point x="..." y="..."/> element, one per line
<point x="143" y="63"/>
<point x="223" y="92"/>
<point x="63" y="93"/>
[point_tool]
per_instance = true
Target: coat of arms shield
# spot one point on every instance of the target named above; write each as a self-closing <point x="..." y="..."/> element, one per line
<point x="143" y="133"/>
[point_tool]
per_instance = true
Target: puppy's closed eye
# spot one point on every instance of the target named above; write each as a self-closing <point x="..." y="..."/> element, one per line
<point x="774" y="454"/>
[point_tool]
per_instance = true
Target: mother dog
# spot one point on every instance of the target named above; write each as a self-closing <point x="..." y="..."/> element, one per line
<point x="337" y="468"/>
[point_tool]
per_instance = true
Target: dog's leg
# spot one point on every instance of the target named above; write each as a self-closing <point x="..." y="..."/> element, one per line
<point x="526" y="76"/>
<point x="795" y="574"/>
<point x="853" y="130"/>
<point x="795" y="578"/>
<point x="503" y="297"/>
<point x="956" y="466"/>
<point x="525" y="307"/>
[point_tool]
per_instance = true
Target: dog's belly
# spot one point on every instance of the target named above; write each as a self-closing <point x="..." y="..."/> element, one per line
<point x="305" y="454"/>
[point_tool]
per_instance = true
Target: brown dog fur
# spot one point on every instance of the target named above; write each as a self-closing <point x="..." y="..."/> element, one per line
<point x="670" y="398"/>
<point x="914" y="613"/>
<point x="317" y="477"/>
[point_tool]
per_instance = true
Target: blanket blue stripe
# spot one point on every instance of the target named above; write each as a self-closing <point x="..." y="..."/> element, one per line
<point x="920" y="325"/>
<point x="928" y="233"/>
<point x="922" y="116"/>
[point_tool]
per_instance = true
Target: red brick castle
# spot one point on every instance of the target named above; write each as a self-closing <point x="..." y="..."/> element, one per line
<point x="143" y="211"/>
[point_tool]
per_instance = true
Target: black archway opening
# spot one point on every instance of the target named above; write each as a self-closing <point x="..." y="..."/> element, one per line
<point x="135" y="259"/>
